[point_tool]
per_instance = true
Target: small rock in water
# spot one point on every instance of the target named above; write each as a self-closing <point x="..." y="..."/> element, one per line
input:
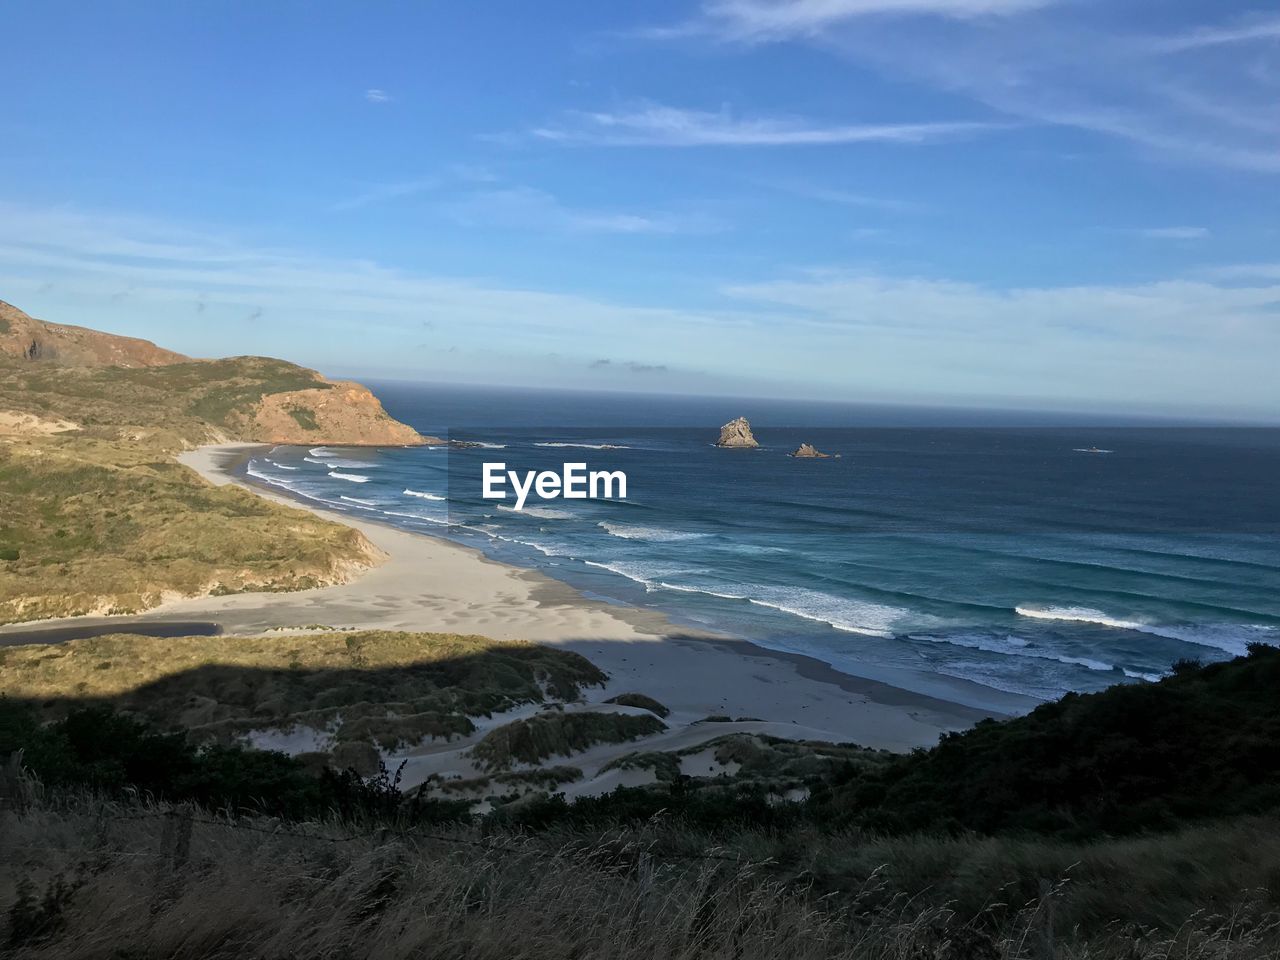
<point x="737" y="433"/>
<point x="808" y="450"/>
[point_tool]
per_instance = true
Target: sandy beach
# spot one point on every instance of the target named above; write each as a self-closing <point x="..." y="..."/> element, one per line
<point x="430" y="584"/>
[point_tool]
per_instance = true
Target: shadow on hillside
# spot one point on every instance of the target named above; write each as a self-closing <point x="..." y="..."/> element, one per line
<point x="376" y="696"/>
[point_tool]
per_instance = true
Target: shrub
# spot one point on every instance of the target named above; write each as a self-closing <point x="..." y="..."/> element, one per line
<point x="558" y="734"/>
<point x="641" y="701"/>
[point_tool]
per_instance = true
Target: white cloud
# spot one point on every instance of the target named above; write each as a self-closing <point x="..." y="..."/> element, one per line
<point x="374" y="95"/>
<point x="664" y="126"/>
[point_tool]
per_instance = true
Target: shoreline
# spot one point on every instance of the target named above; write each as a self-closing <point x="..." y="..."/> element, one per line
<point x="430" y="584"/>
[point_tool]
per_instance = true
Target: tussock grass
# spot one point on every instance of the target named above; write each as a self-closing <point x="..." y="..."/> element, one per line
<point x="558" y="734"/>
<point x="540" y="778"/>
<point x="94" y="880"/>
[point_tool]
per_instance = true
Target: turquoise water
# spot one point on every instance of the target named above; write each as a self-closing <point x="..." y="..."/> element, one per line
<point x="1009" y="554"/>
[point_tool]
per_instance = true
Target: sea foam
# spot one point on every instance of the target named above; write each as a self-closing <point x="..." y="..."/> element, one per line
<point x="424" y="496"/>
<point x="585" y="446"/>
<point x="1230" y="638"/>
<point x="628" y="531"/>
<point x="539" y="513"/>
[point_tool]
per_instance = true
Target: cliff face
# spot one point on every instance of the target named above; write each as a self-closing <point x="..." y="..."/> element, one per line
<point x="345" y="413"/>
<point x="737" y="434"/>
<point x="26" y="338"/>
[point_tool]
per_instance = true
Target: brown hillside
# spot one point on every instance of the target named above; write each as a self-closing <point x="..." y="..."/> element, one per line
<point x="26" y="338"/>
<point x="85" y="376"/>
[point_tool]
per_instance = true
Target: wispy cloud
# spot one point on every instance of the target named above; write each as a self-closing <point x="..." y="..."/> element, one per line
<point x="1247" y="31"/>
<point x="774" y="19"/>
<point x="374" y="95"/>
<point x="1174" y="233"/>
<point x="377" y="193"/>
<point x="755" y="21"/>
<point x="1204" y="342"/>
<point x="527" y="208"/>
<point x="1168" y="92"/>
<point x="657" y="125"/>
<point x="1085" y="75"/>
<point x="848" y="198"/>
<point x="631" y="366"/>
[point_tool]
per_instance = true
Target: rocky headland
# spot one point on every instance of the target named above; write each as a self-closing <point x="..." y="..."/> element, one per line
<point x="241" y="398"/>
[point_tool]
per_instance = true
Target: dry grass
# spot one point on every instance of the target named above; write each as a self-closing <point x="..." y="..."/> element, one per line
<point x="127" y="889"/>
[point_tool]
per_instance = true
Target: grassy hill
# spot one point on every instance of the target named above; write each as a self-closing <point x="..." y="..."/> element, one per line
<point x="97" y="525"/>
<point x="99" y="519"/>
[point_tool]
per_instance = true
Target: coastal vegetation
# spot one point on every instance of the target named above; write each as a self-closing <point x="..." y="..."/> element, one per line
<point x="723" y="865"/>
<point x="100" y="519"/>
<point x="98" y="524"/>
<point x="557" y="734"/>
<point x="1137" y="822"/>
<point x="641" y="701"/>
<point x="372" y="687"/>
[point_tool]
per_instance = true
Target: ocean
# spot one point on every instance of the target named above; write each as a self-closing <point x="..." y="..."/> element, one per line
<point x="1014" y="552"/>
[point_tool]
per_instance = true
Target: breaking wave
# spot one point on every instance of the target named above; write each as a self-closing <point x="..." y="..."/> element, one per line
<point x="651" y="534"/>
<point x="1232" y="639"/>
<point x="353" y="477"/>
<point x="424" y="496"/>
<point x="585" y="446"/>
<point x="541" y="513"/>
<point x="1016" y="647"/>
<point x="850" y="616"/>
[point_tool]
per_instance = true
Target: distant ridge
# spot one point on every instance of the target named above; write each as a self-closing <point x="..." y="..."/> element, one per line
<point x="25" y="338"/>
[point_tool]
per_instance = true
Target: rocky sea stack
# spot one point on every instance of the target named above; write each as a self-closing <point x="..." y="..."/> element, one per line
<point x="809" y="451"/>
<point x="737" y="434"/>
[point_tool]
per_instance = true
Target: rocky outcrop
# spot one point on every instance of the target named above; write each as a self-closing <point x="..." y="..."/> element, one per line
<point x="809" y="451"/>
<point x="37" y="341"/>
<point x="736" y="434"/>
<point x="345" y="414"/>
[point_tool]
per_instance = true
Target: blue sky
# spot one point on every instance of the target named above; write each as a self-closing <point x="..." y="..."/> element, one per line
<point x="1064" y="204"/>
